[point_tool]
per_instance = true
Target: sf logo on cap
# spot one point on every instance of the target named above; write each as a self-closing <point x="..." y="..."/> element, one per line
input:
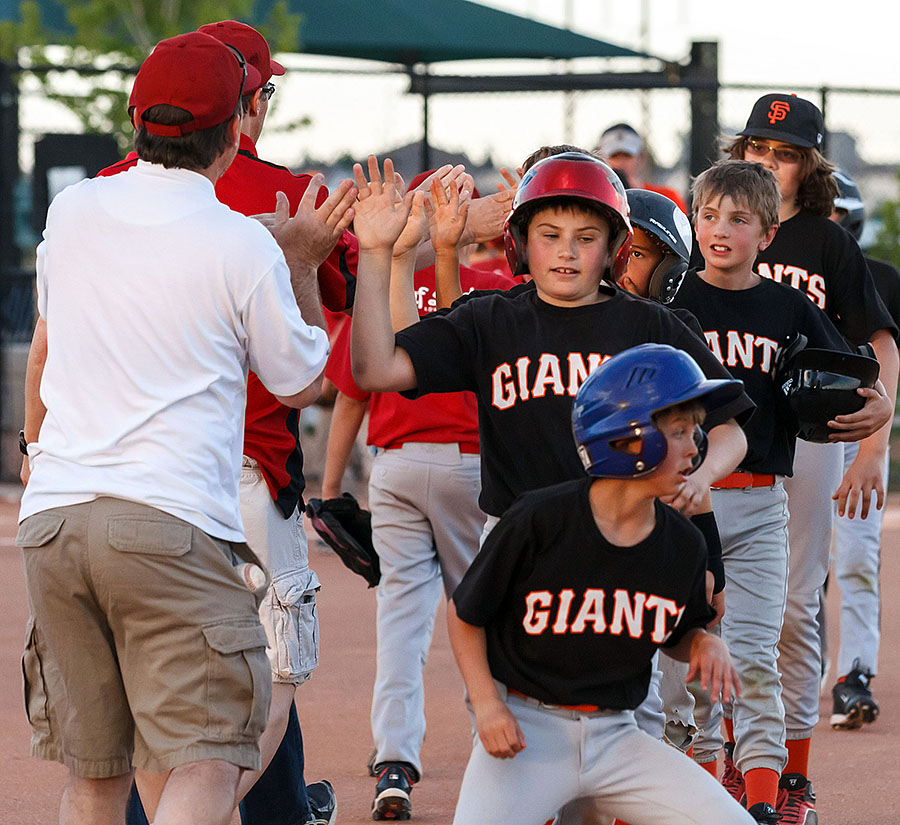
<point x="778" y="110"/>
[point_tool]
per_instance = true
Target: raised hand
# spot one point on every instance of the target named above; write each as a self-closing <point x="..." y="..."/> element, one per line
<point x="487" y="216"/>
<point x="309" y="236"/>
<point x="416" y="227"/>
<point x="446" y="216"/>
<point x="512" y="181"/>
<point x="447" y="175"/>
<point x="380" y="215"/>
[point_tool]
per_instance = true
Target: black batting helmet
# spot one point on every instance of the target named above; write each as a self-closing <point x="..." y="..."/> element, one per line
<point x="661" y="218"/>
<point x="820" y="384"/>
<point x="850" y="201"/>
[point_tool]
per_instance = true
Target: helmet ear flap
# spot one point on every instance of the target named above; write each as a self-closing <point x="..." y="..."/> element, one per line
<point x="515" y="246"/>
<point x="623" y="240"/>
<point x="667" y="278"/>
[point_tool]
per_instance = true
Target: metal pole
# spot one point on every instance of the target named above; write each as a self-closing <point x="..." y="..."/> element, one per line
<point x="9" y="168"/>
<point x="704" y="66"/>
<point x="426" y="148"/>
<point x="823" y="93"/>
<point x="569" y="96"/>
<point x="10" y="258"/>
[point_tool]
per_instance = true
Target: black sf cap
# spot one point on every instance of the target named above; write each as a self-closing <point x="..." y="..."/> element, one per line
<point x="787" y="118"/>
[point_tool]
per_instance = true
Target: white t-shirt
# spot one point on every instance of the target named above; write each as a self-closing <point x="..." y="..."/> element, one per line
<point x="157" y="299"/>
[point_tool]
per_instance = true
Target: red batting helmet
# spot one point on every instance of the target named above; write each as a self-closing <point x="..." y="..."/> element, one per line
<point x="580" y="177"/>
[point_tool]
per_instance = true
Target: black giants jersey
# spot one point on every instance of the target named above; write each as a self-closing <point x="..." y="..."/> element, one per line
<point x="823" y="261"/>
<point x="744" y="328"/>
<point x="887" y="282"/>
<point x="525" y="360"/>
<point x="571" y="619"/>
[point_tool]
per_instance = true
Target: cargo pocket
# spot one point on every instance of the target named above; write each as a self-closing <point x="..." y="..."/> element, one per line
<point x="296" y="627"/>
<point x="238" y="679"/>
<point x="156" y="537"/>
<point x="36" y="708"/>
<point x="38" y="530"/>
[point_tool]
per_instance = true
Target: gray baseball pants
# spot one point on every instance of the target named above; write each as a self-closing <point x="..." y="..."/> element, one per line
<point x="603" y="760"/>
<point x="817" y="475"/>
<point x="857" y="565"/>
<point x="425" y="527"/>
<point x="753" y="527"/>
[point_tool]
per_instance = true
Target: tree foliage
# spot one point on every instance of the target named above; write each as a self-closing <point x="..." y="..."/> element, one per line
<point x="887" y="243"/>
<point x="112" y="37"/>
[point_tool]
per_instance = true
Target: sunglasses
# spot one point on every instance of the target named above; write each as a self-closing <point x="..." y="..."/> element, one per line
<point x="243" y="64"/>
<point x="782" y="154"/>
<point x="266" y="92"/>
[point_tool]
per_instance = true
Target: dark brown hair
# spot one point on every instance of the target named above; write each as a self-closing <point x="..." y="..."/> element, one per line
<point x="195" y="151"/>
<point x="817" y="189"/>
<point x="549" y="151"/>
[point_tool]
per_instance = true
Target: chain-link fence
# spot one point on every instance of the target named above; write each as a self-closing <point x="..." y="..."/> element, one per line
<point x="354" y="112"/>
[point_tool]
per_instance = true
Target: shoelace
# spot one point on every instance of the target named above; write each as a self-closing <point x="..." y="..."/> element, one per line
<point x="794" y="802"/>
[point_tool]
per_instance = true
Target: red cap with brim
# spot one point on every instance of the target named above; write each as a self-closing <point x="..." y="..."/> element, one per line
<point x="251" y="44"/>
<point x="194" y="72"/>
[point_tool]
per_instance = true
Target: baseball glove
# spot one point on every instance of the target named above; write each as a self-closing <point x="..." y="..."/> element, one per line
<point x="347" y="529"/>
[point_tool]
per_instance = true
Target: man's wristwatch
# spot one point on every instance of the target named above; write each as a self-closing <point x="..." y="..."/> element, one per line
<point x="23" y="444"/>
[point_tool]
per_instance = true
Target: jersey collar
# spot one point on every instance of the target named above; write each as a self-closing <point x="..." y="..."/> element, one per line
<point x="247" y="145"/>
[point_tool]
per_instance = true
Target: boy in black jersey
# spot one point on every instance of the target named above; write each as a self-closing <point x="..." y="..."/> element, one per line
<point x="555" y="624"/>
<point x="785" y="133"/>
<point x="745" y="318"/>
<point x="659" y="258"/>
<point x="526" y="352"/>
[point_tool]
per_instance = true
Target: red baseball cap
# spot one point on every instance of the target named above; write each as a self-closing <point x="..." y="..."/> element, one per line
<point x="251" y="44"/>
<point x="194" y="72"/>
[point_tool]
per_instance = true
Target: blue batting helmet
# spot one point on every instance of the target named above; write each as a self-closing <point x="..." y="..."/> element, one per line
<point x="613" y="415"/>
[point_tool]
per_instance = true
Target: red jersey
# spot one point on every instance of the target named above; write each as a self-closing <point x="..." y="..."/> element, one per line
<point x="271" y="430"/>
<point x="440" y="418"/>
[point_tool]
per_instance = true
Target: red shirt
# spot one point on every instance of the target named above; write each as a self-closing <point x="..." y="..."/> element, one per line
<point x="496" y="266"/>
<point x="440" y="418"/>
<point x="271" y="430"/>
<point x="671" y="194"/>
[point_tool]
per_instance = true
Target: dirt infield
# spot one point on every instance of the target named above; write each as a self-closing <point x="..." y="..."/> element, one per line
<point x="854" y="772"/>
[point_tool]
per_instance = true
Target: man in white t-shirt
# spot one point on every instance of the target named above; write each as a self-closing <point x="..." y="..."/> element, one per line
<point x="144" y="648"/>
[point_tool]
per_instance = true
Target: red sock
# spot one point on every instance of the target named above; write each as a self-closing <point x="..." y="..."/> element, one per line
<point x="761" y="785"/>
<point x="729" y="729"/>
<point x="798" y="756"/>
<point x="711" y="768"/>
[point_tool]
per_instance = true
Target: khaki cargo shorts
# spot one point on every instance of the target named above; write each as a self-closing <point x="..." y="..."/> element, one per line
<point x="144" y="648"/>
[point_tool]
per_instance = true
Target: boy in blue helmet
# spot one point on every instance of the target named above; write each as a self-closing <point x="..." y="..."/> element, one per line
<point x="555" y="624"/>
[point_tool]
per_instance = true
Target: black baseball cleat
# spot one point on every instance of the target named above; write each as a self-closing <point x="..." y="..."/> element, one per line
<point x="796" y="800"/>
<point x="322" y="803"/>
<point x="395" y="781"/>
<point x="853" y="702"/>
<point x="764" y="813"/>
